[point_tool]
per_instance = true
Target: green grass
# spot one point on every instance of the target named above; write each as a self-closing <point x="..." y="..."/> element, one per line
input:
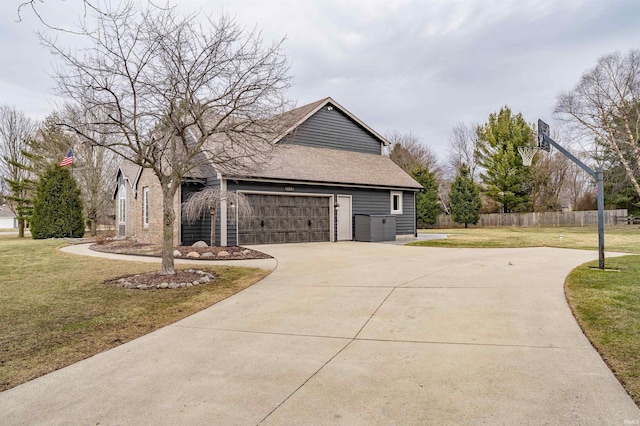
<point x="607" y="307"/>
<point x="624" y="238"/>
<point x="55" y="311"/>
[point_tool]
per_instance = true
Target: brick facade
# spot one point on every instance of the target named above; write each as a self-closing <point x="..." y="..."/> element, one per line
<point x="135" y="227"/>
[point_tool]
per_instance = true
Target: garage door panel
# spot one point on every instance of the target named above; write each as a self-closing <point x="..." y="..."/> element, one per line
<point x="280" y="219"/>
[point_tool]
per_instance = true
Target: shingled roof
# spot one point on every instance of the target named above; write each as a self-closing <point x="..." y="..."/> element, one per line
<point x="309" y="164"/>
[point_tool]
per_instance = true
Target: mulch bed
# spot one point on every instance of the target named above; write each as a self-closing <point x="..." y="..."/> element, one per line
<point x="132" y="247"/>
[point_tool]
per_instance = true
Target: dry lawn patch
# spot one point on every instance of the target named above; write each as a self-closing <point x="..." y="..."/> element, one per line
<point x="55" y="309"/>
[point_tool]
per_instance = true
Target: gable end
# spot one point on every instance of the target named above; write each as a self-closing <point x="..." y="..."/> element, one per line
<point x="331" y="128"/>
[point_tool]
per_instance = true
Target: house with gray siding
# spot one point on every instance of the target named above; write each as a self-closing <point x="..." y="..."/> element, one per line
<point x="328" y="166"/>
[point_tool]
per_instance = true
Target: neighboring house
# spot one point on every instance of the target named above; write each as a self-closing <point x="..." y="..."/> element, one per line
<point x="330" y="167"/>
<point x="7" y="218"/>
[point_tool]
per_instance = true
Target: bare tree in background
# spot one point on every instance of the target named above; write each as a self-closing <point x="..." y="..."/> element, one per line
<point x="173" y="94"/>
<point x="15" y="130"/>
<point x="408" y="152"/>
<point x="95" y="167"/>
<point x="606" y="106"/>
<point x="463" y="149"/>
<point x="550" y="172"/>
<point x="579" y="189"/>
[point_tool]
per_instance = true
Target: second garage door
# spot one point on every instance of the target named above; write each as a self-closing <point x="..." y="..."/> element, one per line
<point x="285" y="219"/>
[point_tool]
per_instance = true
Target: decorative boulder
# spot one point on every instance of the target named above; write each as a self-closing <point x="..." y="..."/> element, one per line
<point x="176" y="253"/>
<point x="199" y="244"/>
<point x="207" y="254"/>
<point x="224" y="253"/>
<point x="193" y="254"/>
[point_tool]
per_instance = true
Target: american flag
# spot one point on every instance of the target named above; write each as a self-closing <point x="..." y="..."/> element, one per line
<point x="68" y="159"/>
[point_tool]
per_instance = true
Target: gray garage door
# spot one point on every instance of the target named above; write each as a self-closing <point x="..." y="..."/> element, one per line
<point x="285" y="219"/>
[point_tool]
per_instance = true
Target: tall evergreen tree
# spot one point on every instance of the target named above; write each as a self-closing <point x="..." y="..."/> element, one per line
<point x="508" y="181"/>
<point x="427" y="205"/>
<point x="57" y="209"/>
<point x="465" y="198"/>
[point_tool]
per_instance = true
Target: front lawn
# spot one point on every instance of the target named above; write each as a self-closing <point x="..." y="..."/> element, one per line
<point x="55" y="310"/>
<point x="607" y="307"/>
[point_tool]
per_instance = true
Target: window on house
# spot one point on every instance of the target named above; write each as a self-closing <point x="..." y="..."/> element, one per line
<point x="122" y="203"/>
<point x="396" y="202"/>
<point x="145" y="206"/>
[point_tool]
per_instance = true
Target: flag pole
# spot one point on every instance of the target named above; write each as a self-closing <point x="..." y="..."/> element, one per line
<point x="71" y="204"/>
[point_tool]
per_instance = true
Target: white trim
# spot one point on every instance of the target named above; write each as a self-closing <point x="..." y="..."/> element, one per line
<point x="339" y="185"/>
<point x="350" y="215"/>
<point x="145" y="207"/>
<point x="179" y="214"/>
<point x="223" y="216"/>
<point x="332" y="226"/>
<point x="392" y="195"/>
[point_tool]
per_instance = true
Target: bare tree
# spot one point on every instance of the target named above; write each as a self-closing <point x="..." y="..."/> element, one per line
<point x="606" y="106"/>
<point x="207" y="200"/>
<point x="577" y="187"/>
<point x="408" y="152"/>
<point x="463" y="149"/>
<point x="15" y="130"/>
<point x="174" y="94"/>
<point x="410" y="155"/>
<point x="95" y="166"/>
<point x="550" y="173"/>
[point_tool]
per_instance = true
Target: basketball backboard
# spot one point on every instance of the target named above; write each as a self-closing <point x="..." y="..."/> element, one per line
<point x="543" y="129"/>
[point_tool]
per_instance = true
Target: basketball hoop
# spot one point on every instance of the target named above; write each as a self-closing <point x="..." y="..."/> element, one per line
<point x="527" y="153"/>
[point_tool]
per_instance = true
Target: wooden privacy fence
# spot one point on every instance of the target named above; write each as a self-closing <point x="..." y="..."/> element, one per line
<point x="558" y="218"/>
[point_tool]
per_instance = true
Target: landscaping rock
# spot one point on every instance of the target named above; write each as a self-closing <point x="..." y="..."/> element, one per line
<point x="199" y="244"/>
<point x="246" y="252"/>
<point x="163" y="285"/>
<point x="129" y="285"/>
<point x="176" y="253"/>
<point x="224" y="254"/>
<point x="207" y="254"/>
<point x="193" y="254"/>
<point x="173" y="285"/>
<point x="189" y="285"/>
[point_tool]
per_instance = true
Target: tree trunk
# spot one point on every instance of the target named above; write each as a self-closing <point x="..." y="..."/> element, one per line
<point x="20" y="228"/>
<point x="168" y="217"/>
<point x="94" y="227"/>
<point x="466" y="225"/>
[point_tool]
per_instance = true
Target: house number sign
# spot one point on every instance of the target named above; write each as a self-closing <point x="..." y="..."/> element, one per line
<point x="289" y="188"/>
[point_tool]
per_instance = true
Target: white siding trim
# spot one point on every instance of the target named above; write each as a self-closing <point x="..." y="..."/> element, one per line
<point x="400" y="201"/>
<point x="223" y="215"/>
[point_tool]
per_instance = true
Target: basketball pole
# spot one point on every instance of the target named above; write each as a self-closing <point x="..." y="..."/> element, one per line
<point x="543" y="136"/>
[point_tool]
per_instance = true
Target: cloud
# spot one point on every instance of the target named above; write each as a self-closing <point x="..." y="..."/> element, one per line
<point x="398" y="65"/>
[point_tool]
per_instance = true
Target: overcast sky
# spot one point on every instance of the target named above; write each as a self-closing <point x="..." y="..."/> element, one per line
<point x="410" y="66"/>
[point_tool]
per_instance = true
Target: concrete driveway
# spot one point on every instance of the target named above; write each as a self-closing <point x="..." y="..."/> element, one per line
<point x="355" y="333"/>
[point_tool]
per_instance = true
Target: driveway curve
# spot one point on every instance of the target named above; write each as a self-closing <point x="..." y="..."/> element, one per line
<point x="355" y="333"/>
